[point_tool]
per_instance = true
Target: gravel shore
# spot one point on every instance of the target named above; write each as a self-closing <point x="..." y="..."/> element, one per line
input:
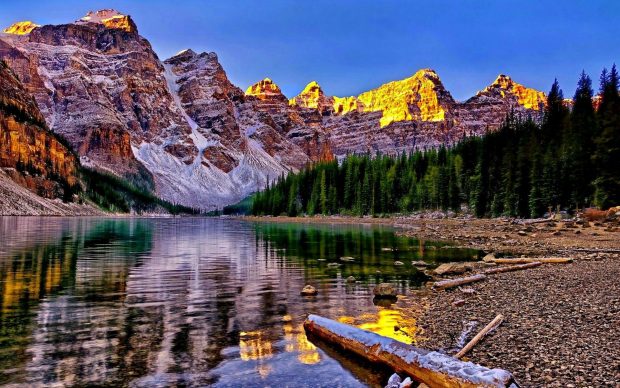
<point x="560" y="327"/>
<point x="561" y="323"/>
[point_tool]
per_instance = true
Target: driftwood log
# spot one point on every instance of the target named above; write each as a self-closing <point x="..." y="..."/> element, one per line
<point x="443" y="284"/>
<point x="432" y="368"/>
<point x="492" y="325"/>
<point x="511" y="268"/>
<point x="525" y="260"/>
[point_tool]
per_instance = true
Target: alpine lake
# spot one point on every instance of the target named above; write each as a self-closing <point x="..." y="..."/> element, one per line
<point x="158" y="302"/>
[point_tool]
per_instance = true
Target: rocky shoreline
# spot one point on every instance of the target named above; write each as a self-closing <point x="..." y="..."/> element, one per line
<point x="559" y="328"/>
<point x="561" y="320"/>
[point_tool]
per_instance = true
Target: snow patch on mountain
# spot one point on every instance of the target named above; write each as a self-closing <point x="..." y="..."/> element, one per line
<point x="100" y="16"/>
<point x="203" y="185"/>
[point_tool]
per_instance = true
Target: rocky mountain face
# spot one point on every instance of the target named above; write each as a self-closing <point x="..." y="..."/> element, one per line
<point x="29" y="153"/>
<point x="181" y="128"/>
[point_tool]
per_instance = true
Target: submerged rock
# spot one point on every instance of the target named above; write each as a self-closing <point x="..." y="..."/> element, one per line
<point x="308" y="290"/>
<point x="384" y="290"/>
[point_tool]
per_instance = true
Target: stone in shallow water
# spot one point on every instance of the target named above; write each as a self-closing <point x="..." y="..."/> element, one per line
<point x="384" y="290"/>
<point x="308" y="290"/>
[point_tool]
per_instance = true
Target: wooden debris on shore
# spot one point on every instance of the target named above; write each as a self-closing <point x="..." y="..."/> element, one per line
<point x="432" y="368"/>
<point x="492" y="325"/>
<point x="444" y="284"/>
<point x="511" y="268"/>
<point x="525" y="260"/>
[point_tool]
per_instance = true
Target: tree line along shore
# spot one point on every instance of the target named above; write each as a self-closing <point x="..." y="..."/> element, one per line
<point x="567" y="160"/>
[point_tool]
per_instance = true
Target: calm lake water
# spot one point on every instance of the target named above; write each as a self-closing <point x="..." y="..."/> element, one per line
<point x="194" y="301"/>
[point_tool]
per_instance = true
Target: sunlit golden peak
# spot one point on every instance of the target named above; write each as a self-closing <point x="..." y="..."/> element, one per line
<point x="312" y="97"/>
<point x="312" y="85"/>
<point x="420" y="97"/>
<point x="527" y="97"/>
<point x="503" y="81"/>
<point x="426" y="71"/>
<point x="21" y="28"/>
<point x="263" y="89"/>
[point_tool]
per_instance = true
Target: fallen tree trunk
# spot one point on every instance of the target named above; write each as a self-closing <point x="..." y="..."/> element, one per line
<point x="492" y="325"/>
<point x="432" y="368"/>
<point x="524" y="260"/>
<point x="512" y="268"/>
<point x="443" y="284"/>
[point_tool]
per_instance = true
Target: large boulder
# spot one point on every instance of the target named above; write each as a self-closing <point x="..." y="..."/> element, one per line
<point x="613" y="213"/>
<point x="453" y="268"/>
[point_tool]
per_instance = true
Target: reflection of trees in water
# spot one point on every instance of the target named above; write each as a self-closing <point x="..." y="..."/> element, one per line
<point x="180" y="300"/>
<point x="35" y="280"/>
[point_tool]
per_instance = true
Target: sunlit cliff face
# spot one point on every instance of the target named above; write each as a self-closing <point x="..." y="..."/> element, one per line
<point x="21" y="28"/>
<point x="415" y="98"/>
<point x="529" y="98"/>
<point x="264" y="89"/>
<point x="420" y="97"/>
<point x="311" y="97"/>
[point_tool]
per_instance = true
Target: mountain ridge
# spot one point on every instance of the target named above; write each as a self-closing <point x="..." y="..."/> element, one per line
<point x="180" y="127"/>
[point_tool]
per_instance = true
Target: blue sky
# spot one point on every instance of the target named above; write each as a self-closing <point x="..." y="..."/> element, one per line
<point x="352" y="46"/>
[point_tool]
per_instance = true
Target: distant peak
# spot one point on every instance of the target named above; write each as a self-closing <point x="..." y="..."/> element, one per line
<point x="503" y="81"/>
<point x="312" y="85"/>
<point x="264" y="88"/>
<point x="185" y="53"/>
<point x="427" y="72"/>
<point x="527" y="97"/>
<point x="99" y="16"/>
<point x="110" y="18"/>
<point x="21" y="28"/>
<point x="311" y="97"/>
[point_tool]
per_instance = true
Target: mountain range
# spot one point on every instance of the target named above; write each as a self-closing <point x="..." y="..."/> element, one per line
<point x="180" y="128"/>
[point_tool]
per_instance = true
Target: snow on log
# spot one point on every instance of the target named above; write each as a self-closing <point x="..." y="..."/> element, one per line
<point x="544" y="260"/>
<point x="432" y="368"/>
<point x="512" y="268"/>
<point x="443" y="284"/>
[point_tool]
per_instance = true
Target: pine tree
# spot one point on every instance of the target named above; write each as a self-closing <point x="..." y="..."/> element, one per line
<point x="607" y="153"/>
<point x="579" y="144"/>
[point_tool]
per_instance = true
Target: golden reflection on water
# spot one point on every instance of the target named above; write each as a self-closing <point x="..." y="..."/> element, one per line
<point x="296" y="341"/>
<point x="254" y="345"/>
<point x="27" y="275"/>
<point x="389" y="322"/>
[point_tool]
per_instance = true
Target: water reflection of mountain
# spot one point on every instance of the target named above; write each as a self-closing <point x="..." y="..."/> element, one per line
<point x="159" y="302"/>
